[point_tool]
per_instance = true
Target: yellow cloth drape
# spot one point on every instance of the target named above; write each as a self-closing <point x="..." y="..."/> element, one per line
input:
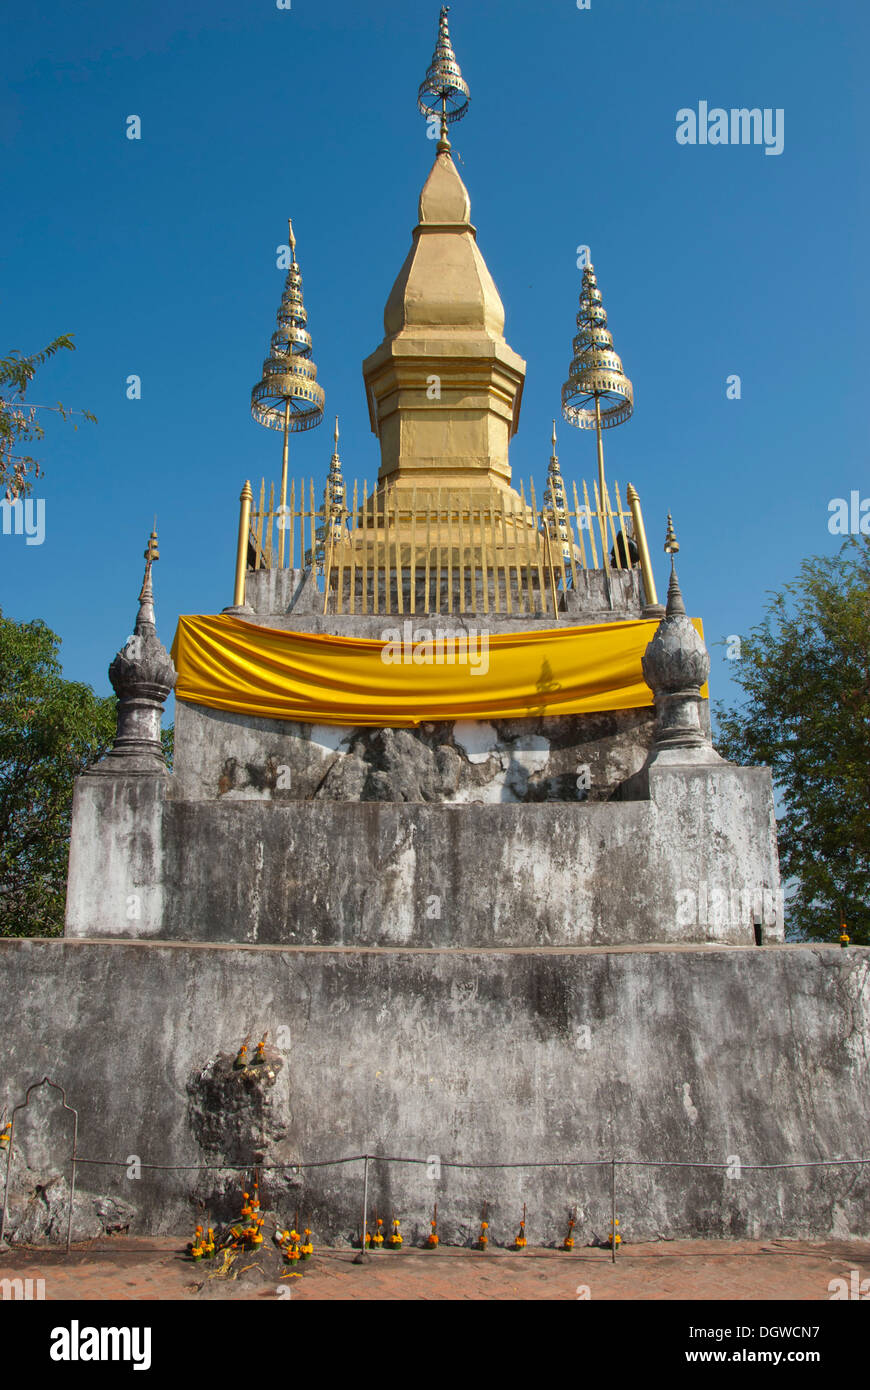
<point x="228" y="664"/>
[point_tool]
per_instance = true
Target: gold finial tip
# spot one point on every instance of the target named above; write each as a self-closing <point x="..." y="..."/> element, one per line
<point x="672" y="545"/>
<point x="336" y="429"/>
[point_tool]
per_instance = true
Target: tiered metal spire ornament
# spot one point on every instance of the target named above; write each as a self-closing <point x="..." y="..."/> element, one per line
<point x="443" y="91"/>
<point x="331" y="530"/>
<point x="289" y="397"/>
<point x="597" y="393"/>
<point x="554" y="498"/>
<point x="335" y="493"/>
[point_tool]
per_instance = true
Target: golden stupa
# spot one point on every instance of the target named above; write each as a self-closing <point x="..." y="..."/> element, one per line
<point x="443" y="529"/>
<point x="444" y="388"/>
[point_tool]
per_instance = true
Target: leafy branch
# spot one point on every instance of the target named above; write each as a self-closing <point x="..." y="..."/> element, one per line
<point x="18" y="418"/>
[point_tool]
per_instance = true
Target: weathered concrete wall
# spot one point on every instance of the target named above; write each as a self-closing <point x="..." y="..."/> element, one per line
<point x="230" y="757"/>
<point x="689" y="864"/>
<point x="116" y="857"/>
<point x="695" y="1054"/>
<point x="273" y="594"/>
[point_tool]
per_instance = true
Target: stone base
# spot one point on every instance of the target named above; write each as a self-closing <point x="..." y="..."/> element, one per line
<point x="711" y="1055"/>
<point x="693" y="859"/>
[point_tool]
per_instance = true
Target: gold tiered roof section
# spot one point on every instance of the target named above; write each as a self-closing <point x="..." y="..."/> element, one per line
<point x="444" y="388"/>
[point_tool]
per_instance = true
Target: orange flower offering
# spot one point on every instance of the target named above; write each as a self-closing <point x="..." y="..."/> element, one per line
<point x="568" y="1243"/>
<point x="520" y="1241"/>
<point x="394" y="1239"/>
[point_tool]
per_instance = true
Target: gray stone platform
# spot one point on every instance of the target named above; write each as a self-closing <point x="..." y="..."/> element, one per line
<point x="701" y="1054"/>
<point x="695" y="859"/>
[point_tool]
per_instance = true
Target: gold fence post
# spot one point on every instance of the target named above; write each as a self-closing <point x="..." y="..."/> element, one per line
<point x="646" y="569"/>
<point x="246" y="497"/>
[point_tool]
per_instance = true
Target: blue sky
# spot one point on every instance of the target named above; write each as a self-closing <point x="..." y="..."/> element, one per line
<point x="159" y="255"/>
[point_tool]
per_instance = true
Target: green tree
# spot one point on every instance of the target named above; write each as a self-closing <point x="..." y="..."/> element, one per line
<point x="18" y="421"/>
<point x="805" y="675"/>
<point x="51" y="729"/>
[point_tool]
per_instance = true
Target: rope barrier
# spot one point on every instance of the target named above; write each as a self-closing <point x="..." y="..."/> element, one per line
<point x="455" y="1163"/>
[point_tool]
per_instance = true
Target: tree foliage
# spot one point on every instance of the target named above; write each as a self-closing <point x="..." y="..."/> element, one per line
<point x="51" y="729"/>
<point x="805" y="675"/>
<point x="18" y="421"/>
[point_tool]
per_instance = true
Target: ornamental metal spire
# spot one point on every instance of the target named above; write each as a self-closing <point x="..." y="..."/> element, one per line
<point x="335" y="492"/>
<point x="597" y="392"/>
<point x="145" y="622"/>
<point x="675" y="596"/>
<point x="554" y="498"/>
<point x="443" y="91"/>
<point x="289" y="397"/>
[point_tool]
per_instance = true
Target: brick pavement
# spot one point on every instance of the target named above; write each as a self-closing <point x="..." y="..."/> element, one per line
<point x="121" y="1268"/>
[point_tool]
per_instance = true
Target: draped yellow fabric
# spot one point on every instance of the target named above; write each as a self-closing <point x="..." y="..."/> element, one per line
<point x="416" y="673"/>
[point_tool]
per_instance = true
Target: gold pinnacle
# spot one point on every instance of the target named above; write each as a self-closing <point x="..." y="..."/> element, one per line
<point x="672" y="545"/>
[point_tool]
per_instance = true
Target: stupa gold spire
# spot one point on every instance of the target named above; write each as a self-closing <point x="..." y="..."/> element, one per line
<point x="444" y="387"/>
<point x="289" y="396"/>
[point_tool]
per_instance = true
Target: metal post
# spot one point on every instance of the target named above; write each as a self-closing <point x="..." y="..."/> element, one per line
<point x="613" y="1211"/>
<point x="72" y="1179"/>
<point x="600" y="458"/>
<point x="283" y="503"/>
<point x="362" y="1258"/>
<point x="550" y="560"/>
<point x="649" y="583"/>
<point x="245" y="499"/>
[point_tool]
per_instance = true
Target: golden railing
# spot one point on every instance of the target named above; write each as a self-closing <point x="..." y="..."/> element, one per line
<point x="449" y="550"/>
